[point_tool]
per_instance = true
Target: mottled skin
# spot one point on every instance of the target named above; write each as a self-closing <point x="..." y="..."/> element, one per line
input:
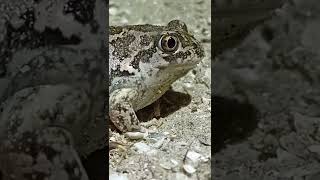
<point x="51" y="109"/>
<point x="144" y="60"/>
<point x="46" y="128"/>
<point x="51" y="87"/>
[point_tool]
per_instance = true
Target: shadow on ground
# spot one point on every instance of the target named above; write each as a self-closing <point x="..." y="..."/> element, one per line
<point x="169" y="103"/>
<point x="233" y="121"/>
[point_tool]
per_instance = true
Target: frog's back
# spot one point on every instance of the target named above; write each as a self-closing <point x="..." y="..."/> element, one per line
<point x="125" y="43"/>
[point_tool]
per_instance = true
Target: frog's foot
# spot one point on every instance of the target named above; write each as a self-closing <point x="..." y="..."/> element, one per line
<point x="41" y="154"/>
<point x="124" y="118"/>
<point x="117" y="145"/>
<point x="121" y="111"/>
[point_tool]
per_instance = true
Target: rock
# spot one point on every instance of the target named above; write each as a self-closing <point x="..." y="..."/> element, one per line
<point x="25" y="68"/>
<point x="156" y="139"/>
<point x="166" y="165"/>
<point x="189" y="169"/>
<point x="174" y="162"/>
<point x="169" y="165"/>
<point x="305" y="124"/>
<point x="314" y="149"/>
<point x="159" y="143"/>
<point x="115" y="176"/>
<point x="178" y="176"/>
<point x="194" y="158"/>
<point x="135" y="135"/>
<point x="141" y="147"/>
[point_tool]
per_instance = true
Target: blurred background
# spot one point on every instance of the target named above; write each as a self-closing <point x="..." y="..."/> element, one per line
<point x="266" y="90"/>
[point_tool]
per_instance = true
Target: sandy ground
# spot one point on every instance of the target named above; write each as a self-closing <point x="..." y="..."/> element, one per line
<point x="186" y="128"/>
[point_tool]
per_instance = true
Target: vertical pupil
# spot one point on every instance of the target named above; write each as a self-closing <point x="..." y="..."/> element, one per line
<point x="171" y="42"/>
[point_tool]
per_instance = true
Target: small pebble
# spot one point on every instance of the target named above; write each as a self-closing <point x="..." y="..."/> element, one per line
<point x="314" y="149"/>
<point x="189" y="169"/>
<point x="205" y="158"/>
<point x="159" y="143"/>
<point x="193" y="156"/>
<point x="180" y="176"/>
<point x="166" y="133"/>
<point x="118" y="177"/>
<point x="141" y="147"/>
<point x="169" y="165"/>
<point x="166" y="166"/>
<point x="156" y="139"/>
<point x="135" y="135"/>
<point x="174" y="162"/>
<point x="25" y="69"/>
<point x="188" y="85"/>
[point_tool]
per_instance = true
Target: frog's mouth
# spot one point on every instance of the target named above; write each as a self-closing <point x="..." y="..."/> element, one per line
<point x="186" y="66"/>
<point x="189" y="64"/>
<point x="178" y="67"/>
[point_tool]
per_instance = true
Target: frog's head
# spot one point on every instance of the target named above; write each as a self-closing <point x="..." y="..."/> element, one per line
<point x="176" y="47"/>
<point x="152" y="54"/>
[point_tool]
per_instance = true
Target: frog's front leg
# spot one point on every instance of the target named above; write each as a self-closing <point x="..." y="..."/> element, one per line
<point x="121" y="110"/>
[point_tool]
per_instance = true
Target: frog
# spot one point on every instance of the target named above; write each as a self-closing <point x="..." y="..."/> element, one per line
<point x="52" y="89"/>
<point x="49" y="140"/>
<point x="144" y="61"/>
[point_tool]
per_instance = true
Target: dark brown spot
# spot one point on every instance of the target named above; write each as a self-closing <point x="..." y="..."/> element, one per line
<point x="143" y="56"/>
<point x="145" y="40"/>
<point x="117" y="73"/>
<point x="174" y="57"/>
<point x="121" y="46"/>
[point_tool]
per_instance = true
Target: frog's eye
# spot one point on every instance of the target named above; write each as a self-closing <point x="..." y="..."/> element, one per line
<point x="169" y="43"/>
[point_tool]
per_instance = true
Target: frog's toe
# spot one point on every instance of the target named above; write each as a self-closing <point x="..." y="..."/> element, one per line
<point x="117" y="145"/>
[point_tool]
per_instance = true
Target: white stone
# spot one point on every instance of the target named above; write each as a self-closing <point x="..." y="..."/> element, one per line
<point x="141" y="147"/>
<point x="135" y="135"/>
<point x="193" y="158"/>
<point x="189" y="169"/>
<point x="118" y="177"/>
